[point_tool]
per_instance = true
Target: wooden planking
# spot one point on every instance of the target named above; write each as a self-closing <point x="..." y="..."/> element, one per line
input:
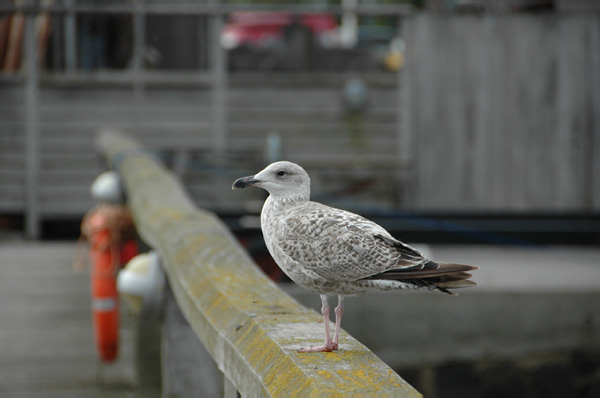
<point x="180" y="119"/>
<point x="304" y="130"/>
<point x="12" y="149"/>
<point x="501" y="111"/>
<point x="46" y="332"/>
<point x="573" y="123"/>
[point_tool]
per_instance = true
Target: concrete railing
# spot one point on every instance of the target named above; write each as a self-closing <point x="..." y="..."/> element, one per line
<point x="250" y="327"/>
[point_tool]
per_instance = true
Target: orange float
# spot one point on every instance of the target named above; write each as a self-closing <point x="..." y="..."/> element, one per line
<point x="109" y="231"/>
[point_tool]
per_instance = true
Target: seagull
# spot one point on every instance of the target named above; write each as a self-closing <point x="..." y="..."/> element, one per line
<point x="331" y="251"/>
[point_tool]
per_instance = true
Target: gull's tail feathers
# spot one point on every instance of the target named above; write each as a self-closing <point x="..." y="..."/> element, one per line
<point x="441" y="276"/>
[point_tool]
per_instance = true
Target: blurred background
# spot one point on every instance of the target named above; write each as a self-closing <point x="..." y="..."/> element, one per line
<point x="468" y="110"/>
<point x="470" y="122"/>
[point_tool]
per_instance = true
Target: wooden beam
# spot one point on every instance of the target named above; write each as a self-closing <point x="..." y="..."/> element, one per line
<point x="251" y="328"/>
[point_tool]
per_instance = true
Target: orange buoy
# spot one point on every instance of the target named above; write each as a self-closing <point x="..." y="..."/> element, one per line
<point x="105" y="299"/>
<point x="109" y="231"/>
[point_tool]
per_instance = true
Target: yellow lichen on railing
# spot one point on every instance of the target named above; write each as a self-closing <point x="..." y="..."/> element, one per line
<point x="251" y="328"/>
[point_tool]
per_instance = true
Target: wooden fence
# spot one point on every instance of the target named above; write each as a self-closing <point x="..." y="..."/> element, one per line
<point x="502" y="112"/>
<point x="250" y="327"/>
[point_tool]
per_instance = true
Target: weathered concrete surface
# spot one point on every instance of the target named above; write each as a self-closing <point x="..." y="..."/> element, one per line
<point x="46" y="336"/>
<point x="529" y="300"/>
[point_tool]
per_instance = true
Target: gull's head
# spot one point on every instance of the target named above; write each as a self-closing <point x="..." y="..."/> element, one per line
<point x="280" y="179"/>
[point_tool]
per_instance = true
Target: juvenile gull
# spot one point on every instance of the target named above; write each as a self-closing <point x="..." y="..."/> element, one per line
<point x="334" y="252"/>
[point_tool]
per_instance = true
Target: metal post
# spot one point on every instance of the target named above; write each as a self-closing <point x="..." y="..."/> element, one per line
<point x="32" y="229"/>
<point x="203" y="47"/>
<point x="57" y="41"/>
<point x="219" y="86"/>
<point x="349" y="26"/>
<point x="595" y="114"/>
<point x="139" y="40"/>
<point x="406" y="137"/>
<point x="218" y="66"/>
<point x="70" y="38"/>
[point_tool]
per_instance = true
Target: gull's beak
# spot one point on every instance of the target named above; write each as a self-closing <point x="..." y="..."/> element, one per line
<point x="244" y="182"/>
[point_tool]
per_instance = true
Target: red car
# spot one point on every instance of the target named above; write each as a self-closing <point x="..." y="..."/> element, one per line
<point x="266" y="29"/>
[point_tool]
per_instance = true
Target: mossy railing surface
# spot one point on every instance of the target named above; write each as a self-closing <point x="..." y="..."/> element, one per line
<point x="251" y="328"/>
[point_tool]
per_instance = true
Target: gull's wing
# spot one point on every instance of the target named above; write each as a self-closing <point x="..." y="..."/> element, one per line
<point x="341" y="246"/>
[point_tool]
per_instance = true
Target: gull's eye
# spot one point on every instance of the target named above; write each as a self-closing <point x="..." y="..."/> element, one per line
<point x="281" y="173"/>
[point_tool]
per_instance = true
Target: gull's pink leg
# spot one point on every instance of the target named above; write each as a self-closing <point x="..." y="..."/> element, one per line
<point x="328" y="345"/>
<point x="339" y="310"/>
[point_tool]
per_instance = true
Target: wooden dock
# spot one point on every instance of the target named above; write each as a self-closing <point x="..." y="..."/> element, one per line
<point x="46" y="335"/>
